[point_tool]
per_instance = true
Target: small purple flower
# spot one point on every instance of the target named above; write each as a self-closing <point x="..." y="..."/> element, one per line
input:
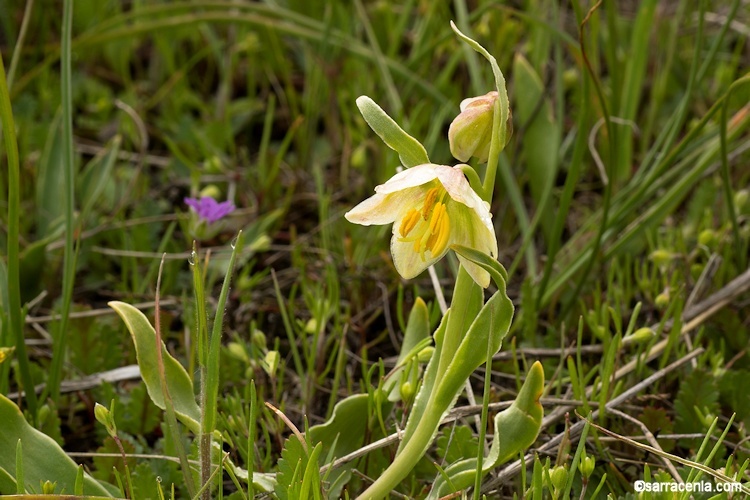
<point x="209" y="209"/>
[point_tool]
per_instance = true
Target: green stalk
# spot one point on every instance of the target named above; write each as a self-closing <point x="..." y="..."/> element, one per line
<point x="168" y="403"/>
<point x="419" y="441"/>
<point x="69" y="259"/>
<point x="202" y="341"/>
<point x="14" y="280"/>
<point x="211" y="386"/>
<point x="485" y="416"/>
<point x="406" y="460"/>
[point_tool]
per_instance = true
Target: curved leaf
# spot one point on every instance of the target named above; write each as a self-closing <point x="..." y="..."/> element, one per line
<point x="487" y="330"/>
<point x="43" y="459"/>
<point x="497" y="272"/>
<point x="179" y="382"/>
<point x="516" y="428"/>
<point x="410" y="151"/>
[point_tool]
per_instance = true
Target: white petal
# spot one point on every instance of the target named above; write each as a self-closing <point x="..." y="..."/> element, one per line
<point x="409" y="178"/>
<point x="467" y="230"/>
<point x="385" y="208"/>
<point x="459" y="189"/>
<point x="409" y="263"/>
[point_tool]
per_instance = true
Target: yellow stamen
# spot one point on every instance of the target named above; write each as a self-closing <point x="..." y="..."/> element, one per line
<point x="408" y="222"/>
<point x="429" y="202"/>
<point x="437" y="215"/>
<point x="434" y="233"/>
<point x="443" y="233"/>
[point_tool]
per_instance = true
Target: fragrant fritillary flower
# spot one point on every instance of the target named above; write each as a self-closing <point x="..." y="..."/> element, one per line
<point x="431" y="207"/>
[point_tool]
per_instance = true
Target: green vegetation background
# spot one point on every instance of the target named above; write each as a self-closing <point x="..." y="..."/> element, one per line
<point x="622" y="204"/>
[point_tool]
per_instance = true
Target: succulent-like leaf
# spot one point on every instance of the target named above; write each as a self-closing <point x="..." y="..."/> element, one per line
<point x="541" y="142"/>
<point x="410" y="151"/>
<point x="178" y="381"/>
<point x="487" y="330"/>
<point x="516" y="428"/>
<point x="43" y="459"/>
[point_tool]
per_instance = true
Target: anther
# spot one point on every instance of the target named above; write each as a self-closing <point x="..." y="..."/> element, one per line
<point x="429" y="202"/>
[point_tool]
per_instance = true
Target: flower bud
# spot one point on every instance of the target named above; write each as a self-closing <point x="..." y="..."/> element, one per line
<point x="708" y="238"/>
<point x="6" y="353"/>
<point x="661" y="257"/>
<point x="662" y="300"/>
<point x="106" y="418"/>
<point x="470" y="133"/>
<point x="587" y="465"/>
<point x="237" y="351"/>
<point x="48" y="487"/>
<point x="425" y="354"/>
<point x="639" y="336"/>
<point x="271" y="362"/>
<point x="407" y="391"/>
<point x="259" y="339"/>
<point x="311" y="326"/>
<point x="212" y="190"/>
<point x="559" y="477"/>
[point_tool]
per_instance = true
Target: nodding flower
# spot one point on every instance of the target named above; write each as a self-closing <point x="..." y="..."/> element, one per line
<point x="431" y="207"/>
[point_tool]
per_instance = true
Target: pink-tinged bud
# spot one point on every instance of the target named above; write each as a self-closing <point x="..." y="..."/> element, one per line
<point x="470" y="133"/>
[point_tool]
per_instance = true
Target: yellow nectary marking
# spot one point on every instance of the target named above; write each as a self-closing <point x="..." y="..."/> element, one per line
<point x="408" y="222"/>
<point x="429" y="202"/>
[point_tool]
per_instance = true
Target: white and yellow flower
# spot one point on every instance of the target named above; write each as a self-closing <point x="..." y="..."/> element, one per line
<point x="431" y="207"/>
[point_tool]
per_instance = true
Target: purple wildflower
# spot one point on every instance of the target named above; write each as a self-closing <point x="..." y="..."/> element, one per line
<point x="209" y="209"/>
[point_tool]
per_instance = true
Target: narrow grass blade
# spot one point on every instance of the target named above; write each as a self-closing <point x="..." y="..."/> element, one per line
<point x="14" y="281"/>
<point x="69" y="256"/>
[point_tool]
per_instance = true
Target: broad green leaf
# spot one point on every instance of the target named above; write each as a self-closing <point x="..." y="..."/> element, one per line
<point x="487" y="330"/>
<point x="456" y="320"/>
<point x="343" y="433"/>
<point x="49" y="196"/>
<point x="516" y="428"/>
<point x="295" y="473"/>
<point x="541" y="141"/>
<point x="43" y="459"/>
<point x="410" y="151"/>
<point x="428" y="382"/>
<point x="96" y="174"/>
<point x="179" y="383"/>
<point x="7" y="481"/>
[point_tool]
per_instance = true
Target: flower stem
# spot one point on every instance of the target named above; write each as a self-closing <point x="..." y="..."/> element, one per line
<point x="405" y="461"/>
<point x="458" y="321"/>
